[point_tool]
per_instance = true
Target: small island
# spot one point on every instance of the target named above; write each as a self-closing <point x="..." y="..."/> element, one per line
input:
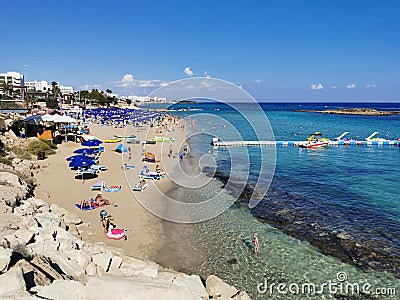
<point x="354" y="111"/>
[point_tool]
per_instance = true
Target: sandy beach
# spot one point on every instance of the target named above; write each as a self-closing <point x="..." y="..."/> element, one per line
<point x="57" y="184"/>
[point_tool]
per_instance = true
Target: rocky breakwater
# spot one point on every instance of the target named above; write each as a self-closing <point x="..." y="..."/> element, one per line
<point x="354" y="111"/>
<point x="42" y="255"/>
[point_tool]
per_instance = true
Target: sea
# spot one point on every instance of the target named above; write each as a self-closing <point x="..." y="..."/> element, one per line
<point x="328" y="220"/>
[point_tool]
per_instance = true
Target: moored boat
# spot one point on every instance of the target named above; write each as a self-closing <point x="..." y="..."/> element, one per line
<point x="315" y="141"/>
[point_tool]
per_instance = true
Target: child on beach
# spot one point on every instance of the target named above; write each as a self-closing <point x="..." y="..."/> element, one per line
<point x="255" y="242"/>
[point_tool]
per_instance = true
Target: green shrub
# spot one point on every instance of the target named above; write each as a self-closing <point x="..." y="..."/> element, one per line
<point x="20" y="152"/>
<point x="5" y="161"/>
<point x="37" y="146"/>
<point x="50" y="144"/>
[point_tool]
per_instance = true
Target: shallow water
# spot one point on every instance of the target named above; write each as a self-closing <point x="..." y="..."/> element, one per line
<point x="350" y="192"/>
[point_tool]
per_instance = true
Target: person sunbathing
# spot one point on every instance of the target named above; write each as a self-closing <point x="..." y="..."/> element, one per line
<point x="85" y="203"/>
<point x="158" y="169"/>
<point x="100" y="201"/>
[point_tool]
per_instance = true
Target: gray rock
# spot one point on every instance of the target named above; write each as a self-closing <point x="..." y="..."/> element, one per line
<point x="12" y="281"/>
<point x="116" y="262"/>
<point x="44" y="264"/>
<point x="17" y="295"/>
<point x="192" y="283"/>
<point x="5" y="255"/>
<point x="91" y="269"/>
<point x="218" y="289"/>
<point x="103" y="260"/>
<point x="48" y="220"/>
<point x="20" y="237"/>
<point x="36" y="276"/>
<point x="28" y="222"/>
<point x="135" y="288"/>
<point x="12" y="189"/>
<point x="63" y="289"/>
<point x="71" y="218"/>
<point x="136" y="267"/>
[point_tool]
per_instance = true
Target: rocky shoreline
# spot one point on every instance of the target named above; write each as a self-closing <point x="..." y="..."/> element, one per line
<point x="43" y="255"/>
<point x="354" y="111"/>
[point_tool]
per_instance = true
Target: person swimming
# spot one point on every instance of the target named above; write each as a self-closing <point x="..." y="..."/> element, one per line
<point x="255" y="242"/>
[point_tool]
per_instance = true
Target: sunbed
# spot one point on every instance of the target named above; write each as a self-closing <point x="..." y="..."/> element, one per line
<point x="81" y="172"/>
<point x="112" y="188"/>
<point x="98" y="186"/>
<point x="149" y="176"/>
<point x="100" y="168"/>
<point x="140" y="186"/>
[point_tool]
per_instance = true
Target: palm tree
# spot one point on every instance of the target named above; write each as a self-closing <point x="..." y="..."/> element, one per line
<point x="6" y="88"/>
<point x="108" y="91"/>
<point x="56" y="89"/>
<point x="31" y="100"/>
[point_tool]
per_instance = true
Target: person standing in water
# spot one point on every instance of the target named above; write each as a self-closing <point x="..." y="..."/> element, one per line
<point x="255" y="242"/>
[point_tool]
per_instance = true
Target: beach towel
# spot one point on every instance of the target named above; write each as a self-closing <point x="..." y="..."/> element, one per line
<point x="129" y="167"/>
<point x="93" y="206"/>
<point x="112" y="188"/>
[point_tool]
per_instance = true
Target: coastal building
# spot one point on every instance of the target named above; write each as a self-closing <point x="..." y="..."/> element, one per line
<point x="66" y="90"/>
<point x="38" y="86"/>
<point x="139" y="99"/>
<point x="12" y="80"/>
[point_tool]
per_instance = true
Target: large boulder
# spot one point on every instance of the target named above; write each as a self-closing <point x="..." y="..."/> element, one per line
<point x="5" y="256"/>
<point x="64" y="289"/>
<point x="103" y="260"/>
<point x="19" y="238"/>
<point x="136" y="267"/>
<point x="13" y="280"/>
<point x="135" y="288"/>
<point x="12" y="189"/>
<point x="32" y="274"/>
<point x="218" y="289"/>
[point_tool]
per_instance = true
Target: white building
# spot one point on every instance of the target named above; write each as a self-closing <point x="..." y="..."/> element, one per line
<point x="12" y="79"/>
<point x="38" y="86"/>
<point x="139" y="99"/>
<point x="66" y="90"/>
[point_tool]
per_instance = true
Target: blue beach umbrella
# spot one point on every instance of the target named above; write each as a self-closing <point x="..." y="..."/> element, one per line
<point x="92" y="143"/>
<point x="75" y="157"/>
<point x="76" y="163"/>
<point x="84" y="151"/>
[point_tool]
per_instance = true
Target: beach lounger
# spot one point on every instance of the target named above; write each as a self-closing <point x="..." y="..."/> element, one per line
<point x="80" y="172"/>
<point x="140" y="186"/>
<point x="147" y="176"/>
<point x="129" y="167"/>
<point x="100" y="168"/>
<point x="98" y="186"/>
<point x="112" y="188"/>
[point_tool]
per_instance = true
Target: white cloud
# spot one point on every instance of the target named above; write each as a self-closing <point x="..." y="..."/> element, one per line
<point x="370" y="86"/>
<point x="90" y="87"/>
<point x="127" y="78"/>
<point x="26" y="66"/>
<point x="128" y="85"/>
<point x="188" y="71"/>
<point x="258" y="81"/>
<point x="351" y="86"/>
<point x="334" y="87"/>
<point x="317" y="87"/>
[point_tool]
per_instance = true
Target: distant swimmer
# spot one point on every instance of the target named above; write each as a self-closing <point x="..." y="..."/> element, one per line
<point x="255" y="242"/>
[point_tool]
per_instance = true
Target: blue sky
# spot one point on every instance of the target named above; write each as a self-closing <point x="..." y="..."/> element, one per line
<point x="276" y="50"/>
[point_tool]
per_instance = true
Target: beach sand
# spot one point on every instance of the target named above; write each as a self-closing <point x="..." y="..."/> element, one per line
<point x="146" y="236"/>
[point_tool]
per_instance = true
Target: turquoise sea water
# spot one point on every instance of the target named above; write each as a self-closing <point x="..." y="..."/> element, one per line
<point x="327" y="211"/>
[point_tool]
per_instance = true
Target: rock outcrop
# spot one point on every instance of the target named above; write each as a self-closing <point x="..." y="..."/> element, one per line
<point x="42" y="255"/>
